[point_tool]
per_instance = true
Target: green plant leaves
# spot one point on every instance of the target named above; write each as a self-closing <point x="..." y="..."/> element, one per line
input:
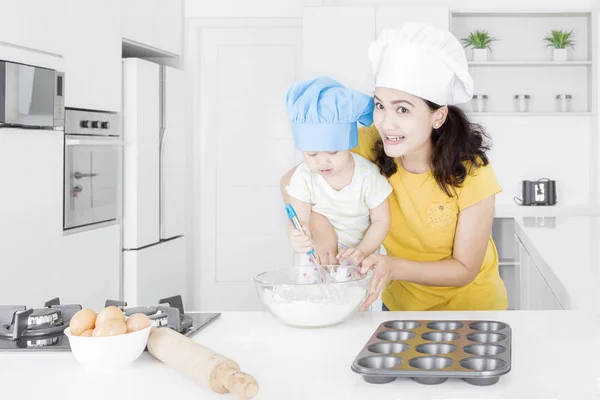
<point x="560" y="39"/>
<point x="479" y="39"/>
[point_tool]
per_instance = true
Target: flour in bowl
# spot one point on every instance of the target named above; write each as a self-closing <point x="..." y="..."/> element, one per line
<point x="317" y="312"/>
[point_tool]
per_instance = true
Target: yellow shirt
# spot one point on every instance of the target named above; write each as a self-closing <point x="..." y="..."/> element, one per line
<point x="423" y="227"/>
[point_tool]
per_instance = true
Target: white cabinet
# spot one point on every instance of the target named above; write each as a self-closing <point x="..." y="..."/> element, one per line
<point x="154" y="23"/>
<point x="138" y="20"/>
<point x="92" y="52"/>
<point x="539" y="295"/>
<point x="535" y="292"/>
<point x="168" y="25"/>
<point x="33" y="24"/>
<point x="336" y="40"/>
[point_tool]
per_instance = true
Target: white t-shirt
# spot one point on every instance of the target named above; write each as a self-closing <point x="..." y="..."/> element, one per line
<point x="346" y="209"/>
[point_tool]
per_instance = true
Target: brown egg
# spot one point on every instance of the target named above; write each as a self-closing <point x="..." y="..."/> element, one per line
<point x="87" y="333"/>
<point x="111" y="312"/>
<point x="82" y="321"/>
<point x="110" y="327"/>
<point x="137" y="322"/>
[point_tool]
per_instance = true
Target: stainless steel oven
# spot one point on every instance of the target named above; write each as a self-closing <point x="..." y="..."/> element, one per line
<point x="92" y="168"/>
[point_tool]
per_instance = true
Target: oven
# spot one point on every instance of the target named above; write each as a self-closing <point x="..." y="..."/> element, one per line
<point x="92" y="168"/>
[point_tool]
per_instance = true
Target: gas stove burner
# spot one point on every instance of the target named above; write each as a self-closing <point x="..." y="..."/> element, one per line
<point x="44" y="318"/>
<point x="140" y="310"/>
<point x="157" y="316"/>
<point x="43" y="342"/>
<point x="43" y="323"/>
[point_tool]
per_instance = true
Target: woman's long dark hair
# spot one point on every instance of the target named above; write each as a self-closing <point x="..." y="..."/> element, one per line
<point x="458" y="146"/>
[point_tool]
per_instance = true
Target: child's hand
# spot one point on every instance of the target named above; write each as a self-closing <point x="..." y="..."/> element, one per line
<point x="355" y="256"/>
<point x="301" y="242"/>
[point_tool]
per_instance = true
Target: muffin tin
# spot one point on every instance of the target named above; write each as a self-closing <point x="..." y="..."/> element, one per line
<point x="431" y="351"/>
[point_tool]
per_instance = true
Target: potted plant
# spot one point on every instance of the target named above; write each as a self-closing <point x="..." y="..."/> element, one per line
<point x="480" y="41"/>
<point x="560" y="40"/>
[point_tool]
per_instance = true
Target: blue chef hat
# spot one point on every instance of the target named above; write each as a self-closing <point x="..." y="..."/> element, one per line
<point x="324" y="113"/>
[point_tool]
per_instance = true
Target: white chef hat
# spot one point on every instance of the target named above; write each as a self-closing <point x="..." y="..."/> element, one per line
<point x="422" y="60"/>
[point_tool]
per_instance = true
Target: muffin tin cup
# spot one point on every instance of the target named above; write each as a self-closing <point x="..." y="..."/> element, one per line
<point x="431" y="352"/>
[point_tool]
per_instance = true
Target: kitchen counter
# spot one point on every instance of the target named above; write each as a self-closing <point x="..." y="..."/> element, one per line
<point x="515" y="211"/>
<point x="566" y="251"/>
<point x="554" y="357"/>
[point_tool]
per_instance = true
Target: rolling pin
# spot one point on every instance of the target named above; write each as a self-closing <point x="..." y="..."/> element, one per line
<point x="202" y="365"/>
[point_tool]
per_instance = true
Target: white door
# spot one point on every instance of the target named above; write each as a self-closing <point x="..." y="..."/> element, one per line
<point x="154" y="273"/>
<point x="173" y="156"/>
<point x="243" y="147"/>
<point x="335" y="43"/>
<point x="141" y="204"/>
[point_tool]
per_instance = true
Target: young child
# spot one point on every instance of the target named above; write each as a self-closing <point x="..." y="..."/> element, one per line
<point x="346" y="188"/>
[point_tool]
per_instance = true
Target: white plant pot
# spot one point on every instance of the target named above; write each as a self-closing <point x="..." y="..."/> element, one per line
<point x="480" y="54"/>
<point x="559" y="55"/>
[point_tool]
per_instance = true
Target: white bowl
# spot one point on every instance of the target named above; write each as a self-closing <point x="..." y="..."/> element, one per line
<point x="109" y="352"/>
<point x="297" y="298"/>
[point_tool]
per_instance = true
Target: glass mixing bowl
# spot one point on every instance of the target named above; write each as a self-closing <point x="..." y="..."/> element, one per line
<point x="297" y="297"/>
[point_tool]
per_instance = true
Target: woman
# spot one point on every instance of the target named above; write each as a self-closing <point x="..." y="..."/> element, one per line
<point x="440" y="255"/>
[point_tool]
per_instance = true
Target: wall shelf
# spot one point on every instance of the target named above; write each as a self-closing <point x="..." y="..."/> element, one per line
<point x="529" y="63"/>
<point x="520" y="62"/>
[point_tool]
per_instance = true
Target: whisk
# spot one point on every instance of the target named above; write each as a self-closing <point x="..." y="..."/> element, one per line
<point x="324" y="275"/>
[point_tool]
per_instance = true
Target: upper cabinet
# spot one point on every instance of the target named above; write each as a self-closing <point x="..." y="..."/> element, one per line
<point x="92" y="51"/>
<point x="33" y="24"/>
<point x="336" y="40"/>
<point x="154" y="23"/>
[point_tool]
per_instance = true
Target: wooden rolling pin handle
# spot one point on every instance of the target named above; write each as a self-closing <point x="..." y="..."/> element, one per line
<point x="227" y="377"/>
<point x="201" y="364"/>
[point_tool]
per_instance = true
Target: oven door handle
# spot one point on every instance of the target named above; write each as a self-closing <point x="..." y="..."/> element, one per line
<point x="94" y="142"/>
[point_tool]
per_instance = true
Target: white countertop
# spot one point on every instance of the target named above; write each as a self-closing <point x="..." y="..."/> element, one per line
<point x="515" y="210"/>
<point x="566" y="250"/>
<point x="553" y="357"/>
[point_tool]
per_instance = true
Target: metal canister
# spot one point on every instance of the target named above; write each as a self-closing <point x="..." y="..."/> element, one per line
<point x="479" y="102"/>
<point x="522" y="102"/>
<point x="563" y="102"/>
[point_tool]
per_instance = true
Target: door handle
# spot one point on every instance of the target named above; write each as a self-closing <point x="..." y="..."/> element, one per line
<point x="79" y="175"/>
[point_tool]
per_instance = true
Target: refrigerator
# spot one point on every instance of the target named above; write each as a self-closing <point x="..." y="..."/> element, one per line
<point x="154" y="262"/>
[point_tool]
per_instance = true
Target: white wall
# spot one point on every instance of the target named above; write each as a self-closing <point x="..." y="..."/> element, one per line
<point x="247" y="9"/>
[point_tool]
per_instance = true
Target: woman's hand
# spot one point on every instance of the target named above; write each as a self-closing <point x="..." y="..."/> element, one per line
<point x="382" y="276"/>
<point x="324" y="239"/>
